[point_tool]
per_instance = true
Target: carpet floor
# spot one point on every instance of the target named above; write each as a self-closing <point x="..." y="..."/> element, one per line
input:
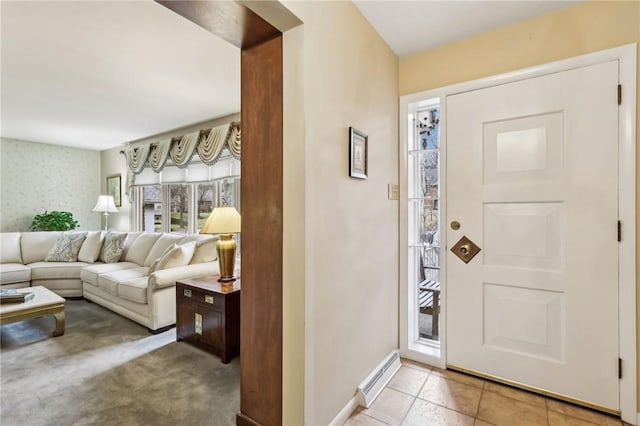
<point x="108" y="370"/>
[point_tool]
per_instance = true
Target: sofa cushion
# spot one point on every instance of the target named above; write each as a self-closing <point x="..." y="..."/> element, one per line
<point x="205" y="251"/>
<point x="112" y="247"/>
<point x="56" y="270"/>
<point x="140" y="248"/>
<point x="14" y="273"/>
<point x="90" y="274"/>
<point x="134" y="290"/>
<point x="10" y="247"/>
<point x="128" y="242"/>
<point x="110" y="280"/>
<point x="67" y="247"/>
<point x="90" y="250"/>
<point x="160" y="246"/>
<point x="179" y="255"/>
<point x="36" y="245"/>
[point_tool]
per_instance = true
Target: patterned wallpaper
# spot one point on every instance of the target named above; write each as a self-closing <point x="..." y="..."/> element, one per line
<point x="35" y="177"/>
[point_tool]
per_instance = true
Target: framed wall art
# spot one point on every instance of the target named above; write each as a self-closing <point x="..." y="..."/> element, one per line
<point x="113" y="189"/>
<point x="358" y="145"/>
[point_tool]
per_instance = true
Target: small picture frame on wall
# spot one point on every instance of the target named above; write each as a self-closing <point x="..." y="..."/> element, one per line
<point x="358" y="146"/>
<point x="113" y="189"/>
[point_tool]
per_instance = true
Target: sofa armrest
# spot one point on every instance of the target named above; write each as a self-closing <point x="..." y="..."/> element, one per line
<point x="168" y="277"/>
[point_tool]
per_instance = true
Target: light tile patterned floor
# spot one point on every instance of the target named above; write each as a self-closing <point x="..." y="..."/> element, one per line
<point x="419" y="395"/>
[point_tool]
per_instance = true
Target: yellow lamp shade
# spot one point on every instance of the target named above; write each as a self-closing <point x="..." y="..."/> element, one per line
<point x="222" y="220"/>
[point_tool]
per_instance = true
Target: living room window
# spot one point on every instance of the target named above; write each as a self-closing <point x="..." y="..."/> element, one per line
<point x="182" y="207"/>
<point x="179" y="200"/>
<point x="151" y="213"/>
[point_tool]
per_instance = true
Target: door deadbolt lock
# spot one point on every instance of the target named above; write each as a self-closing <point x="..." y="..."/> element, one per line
<point x="455" y="225"/>
<point x="465" y="249"/>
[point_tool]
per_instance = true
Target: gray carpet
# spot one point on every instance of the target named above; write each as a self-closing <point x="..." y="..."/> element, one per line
<point x="108" y="370"/>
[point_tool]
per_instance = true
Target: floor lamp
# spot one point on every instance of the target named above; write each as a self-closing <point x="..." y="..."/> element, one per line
<point x="105" y="205"/>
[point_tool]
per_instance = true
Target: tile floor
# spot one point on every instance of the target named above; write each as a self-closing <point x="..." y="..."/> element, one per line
<point x="421" y="395"/>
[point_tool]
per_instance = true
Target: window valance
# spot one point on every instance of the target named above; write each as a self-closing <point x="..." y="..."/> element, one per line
<point x="207" y="143"/>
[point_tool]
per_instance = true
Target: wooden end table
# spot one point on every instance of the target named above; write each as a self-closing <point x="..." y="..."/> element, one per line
<point x="208" y="315"/>
<point x="44" y="302"/>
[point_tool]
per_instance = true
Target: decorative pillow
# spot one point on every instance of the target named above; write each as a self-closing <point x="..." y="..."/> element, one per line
<point x="158" y="249"/>
<point x="112" y="247"/>
<point x="66" y="247"/>
<point x="205" y="251"/>
<point x="90" y="250"/>
<point x="180" y="255"/>
<point x="154" y="265"/>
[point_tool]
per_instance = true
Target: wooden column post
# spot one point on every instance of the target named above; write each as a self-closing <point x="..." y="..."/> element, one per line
<point x="261" y="183"/>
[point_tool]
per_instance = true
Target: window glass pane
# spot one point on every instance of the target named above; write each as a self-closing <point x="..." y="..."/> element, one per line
<point x="428" y="129"/>
<point x="179" y="207"/>
<point x="227" y="193"/>
<point x="424" y="220"/>
<point x="207" y="200"/>
<point x="151" y="209"/>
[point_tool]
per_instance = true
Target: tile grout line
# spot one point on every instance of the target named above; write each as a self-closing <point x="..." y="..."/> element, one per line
<point x="478" y="407"/>
<point x="546" y="411"/>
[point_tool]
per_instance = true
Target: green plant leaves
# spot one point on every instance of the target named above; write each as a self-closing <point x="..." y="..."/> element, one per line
<point x="54" y="221"/>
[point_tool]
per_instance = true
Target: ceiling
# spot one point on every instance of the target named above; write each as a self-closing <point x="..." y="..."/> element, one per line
<point x="410" y="27"/>
<point x="96" y="74"/>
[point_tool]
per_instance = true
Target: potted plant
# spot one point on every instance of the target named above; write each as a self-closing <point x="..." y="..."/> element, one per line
<point x="54" y="221"/>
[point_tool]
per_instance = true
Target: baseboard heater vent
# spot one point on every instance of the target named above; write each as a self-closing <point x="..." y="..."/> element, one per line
<point x="378" y="379"/>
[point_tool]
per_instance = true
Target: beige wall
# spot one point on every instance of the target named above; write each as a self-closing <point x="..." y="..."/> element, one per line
<point x="581" y="29"/>
<point x="36" y="177"/>
<point x="113" y="163"/>
<point x="294" y="232"/>
<point x="346" y="76"/>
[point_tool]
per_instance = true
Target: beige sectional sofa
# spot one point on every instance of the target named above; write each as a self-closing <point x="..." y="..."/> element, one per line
<point x="126" y="286"/>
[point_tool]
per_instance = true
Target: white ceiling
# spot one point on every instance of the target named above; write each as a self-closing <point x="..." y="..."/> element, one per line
<point x="409" y="27"/>
<point x="96" y="74"/>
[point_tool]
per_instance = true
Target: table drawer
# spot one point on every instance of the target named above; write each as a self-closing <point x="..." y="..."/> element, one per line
<point x="194" y="295"/>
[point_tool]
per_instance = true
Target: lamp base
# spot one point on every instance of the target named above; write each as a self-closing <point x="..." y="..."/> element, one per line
<point x="226" y="248"/>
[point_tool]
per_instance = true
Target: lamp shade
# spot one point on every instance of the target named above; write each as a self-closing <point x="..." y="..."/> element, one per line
<point x="105" y="204"/>
<point x="222" y="220"/>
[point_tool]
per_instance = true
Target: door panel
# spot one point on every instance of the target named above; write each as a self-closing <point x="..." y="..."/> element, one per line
<point x="532" y="179"/>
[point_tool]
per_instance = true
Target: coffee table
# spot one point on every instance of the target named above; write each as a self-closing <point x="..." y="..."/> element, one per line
<point x="45" y="302"/>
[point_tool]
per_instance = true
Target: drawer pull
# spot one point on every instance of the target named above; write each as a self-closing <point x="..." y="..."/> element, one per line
<point x="187" y="292"/>
<point x="208" y="299"/>
<point x="198" y="324"/>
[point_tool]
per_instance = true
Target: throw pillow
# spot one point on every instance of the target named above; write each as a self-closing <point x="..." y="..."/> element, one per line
<point x="154" y="265"/>
<point x="205" y="251"/>
<point x="180" y="255"/>
<point x="66" y="247"/>
<point x="90" y="250"/>
<point x="112" y="247"/>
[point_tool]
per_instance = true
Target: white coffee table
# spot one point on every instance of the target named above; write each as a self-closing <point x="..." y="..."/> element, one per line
<point x="45" y="302"/>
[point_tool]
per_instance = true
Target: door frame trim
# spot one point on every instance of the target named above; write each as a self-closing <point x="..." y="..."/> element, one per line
<point x="627" y="57"/>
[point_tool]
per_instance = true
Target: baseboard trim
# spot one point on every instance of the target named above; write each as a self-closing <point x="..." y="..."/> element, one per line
<point x="346" y="412"/>
<point x="244" y="420"/>
<point x="161" y="329"/>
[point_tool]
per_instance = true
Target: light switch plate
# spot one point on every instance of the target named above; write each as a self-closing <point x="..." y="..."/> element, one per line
<point x="394" y="192"/>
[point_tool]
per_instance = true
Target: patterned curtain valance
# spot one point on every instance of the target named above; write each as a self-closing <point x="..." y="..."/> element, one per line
<point x="207" y="143"/>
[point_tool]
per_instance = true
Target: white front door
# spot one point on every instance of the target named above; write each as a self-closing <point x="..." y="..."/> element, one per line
<point x="532" y="176"/>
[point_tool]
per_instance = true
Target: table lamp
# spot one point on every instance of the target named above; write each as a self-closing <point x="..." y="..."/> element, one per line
<point x="225" y="221"/>
<point x="107" y="205"/>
